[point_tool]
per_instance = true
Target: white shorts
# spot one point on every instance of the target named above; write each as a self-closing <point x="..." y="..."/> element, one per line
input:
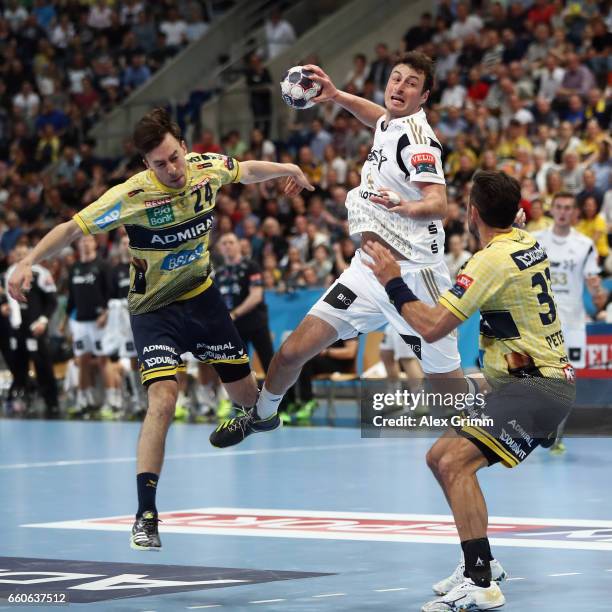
<point x="357" y="304"/>
<point x="86" y="338"/>
<point x="575" y="345"/>
<point x="118" y="338"/>
<point x="392" y="341"/>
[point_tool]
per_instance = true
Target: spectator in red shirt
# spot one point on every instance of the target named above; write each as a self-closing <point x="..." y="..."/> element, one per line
<point x="541" y="12"/>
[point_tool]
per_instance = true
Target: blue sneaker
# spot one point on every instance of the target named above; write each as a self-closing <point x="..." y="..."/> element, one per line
<point x="237" y="429"/>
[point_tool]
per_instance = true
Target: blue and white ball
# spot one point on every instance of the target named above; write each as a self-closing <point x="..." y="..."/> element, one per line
<point x="298" y="89"/>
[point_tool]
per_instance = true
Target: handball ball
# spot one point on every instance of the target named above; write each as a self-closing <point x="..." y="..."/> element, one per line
<point x="298" y="89"/>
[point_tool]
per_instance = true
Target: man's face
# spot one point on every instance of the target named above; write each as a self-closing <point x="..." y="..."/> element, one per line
<point x="167" y="161"/>
<point x="563" y="211"/>
<point x="87" y="247"/>
<point x="404" y="92"/>
<point x="229" y="247"/>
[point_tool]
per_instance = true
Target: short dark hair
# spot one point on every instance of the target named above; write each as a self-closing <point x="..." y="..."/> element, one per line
<point x="563" y="194"/>
<point x="152" y="129"/>
<point x="496" y="197"/>
<point x="421" y="63"/>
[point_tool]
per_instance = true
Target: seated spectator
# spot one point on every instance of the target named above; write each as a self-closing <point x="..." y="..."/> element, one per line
<point x="602" y="300"/>
<point x="322" y="264"/>
<point x="589" y="189"/>
<point x="457" y="255"/>
<point x="593" y="225"/>
<point x="454" y="93"/>
<point x="136" y="74"/>
<point x="538" y="220"/>
<point x="197" y="26"/>
<point x="572" y="172"/>
<point x="465" y="24"/>
<point x="175" y="29"/>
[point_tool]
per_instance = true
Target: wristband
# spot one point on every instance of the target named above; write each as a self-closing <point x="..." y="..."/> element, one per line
<point x="399" y="293"/>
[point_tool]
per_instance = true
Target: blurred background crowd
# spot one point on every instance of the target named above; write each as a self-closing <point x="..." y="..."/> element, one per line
<point x="522" y="86"/>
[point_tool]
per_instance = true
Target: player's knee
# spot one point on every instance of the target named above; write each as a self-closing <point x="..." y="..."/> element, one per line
<point x="290" y="354"/>
<point x="162" y="398"/>
<point x="432" y="460"/>
<point x="447" y="467"/>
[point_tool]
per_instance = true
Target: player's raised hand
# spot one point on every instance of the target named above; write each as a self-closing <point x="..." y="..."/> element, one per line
<point x="521" y="219"/>
<point x="297" y="181"/>
<point x="328" y="90"/>
<point x="384" y="265"/>
<point x="20" y="281"/>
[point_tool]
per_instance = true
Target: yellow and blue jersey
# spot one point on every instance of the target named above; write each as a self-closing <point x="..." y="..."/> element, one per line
<point x="168" y="229"/>
<point x="509" y="281"/>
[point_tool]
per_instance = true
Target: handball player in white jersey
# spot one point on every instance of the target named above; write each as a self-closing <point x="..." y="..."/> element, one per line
<point x="573" y="262"/>
<point x="405" y="161"/>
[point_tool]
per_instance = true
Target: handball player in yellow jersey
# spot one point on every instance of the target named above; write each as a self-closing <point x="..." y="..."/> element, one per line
<point x="168" y="211"/>
<point x="525" y="363"/>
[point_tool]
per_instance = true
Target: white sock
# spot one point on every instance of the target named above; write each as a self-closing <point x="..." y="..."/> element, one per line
<point x="81" y="398"/>
<point x="267" y="404"/>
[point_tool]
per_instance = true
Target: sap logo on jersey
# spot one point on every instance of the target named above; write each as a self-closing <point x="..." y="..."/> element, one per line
<point x="109" y="217"/>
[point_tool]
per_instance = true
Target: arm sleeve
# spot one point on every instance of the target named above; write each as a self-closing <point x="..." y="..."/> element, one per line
<point x="222" y="167"/>
<point x="479" y="279"/>
<point x="421" y="162"/>
<point x="254" y="275"/>
<point x="105" y="214"/>
<point x="591" y="266"/>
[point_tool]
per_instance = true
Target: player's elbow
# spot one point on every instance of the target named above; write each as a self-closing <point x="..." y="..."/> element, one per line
<point x="431" y="334"/>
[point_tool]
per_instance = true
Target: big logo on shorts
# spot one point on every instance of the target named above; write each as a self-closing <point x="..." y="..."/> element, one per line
<point x="340" y="297"/>
<point x="414" y="342"/>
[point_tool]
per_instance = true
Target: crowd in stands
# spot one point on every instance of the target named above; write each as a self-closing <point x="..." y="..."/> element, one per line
<point x="524" y="87"/>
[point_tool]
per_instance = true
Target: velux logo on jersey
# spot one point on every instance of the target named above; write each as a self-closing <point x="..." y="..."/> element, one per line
<point x="109" y="217"/>
<point x="424" y="162"/>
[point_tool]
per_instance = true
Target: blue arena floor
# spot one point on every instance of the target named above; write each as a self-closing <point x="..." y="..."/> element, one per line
<point x="300" y="519"/>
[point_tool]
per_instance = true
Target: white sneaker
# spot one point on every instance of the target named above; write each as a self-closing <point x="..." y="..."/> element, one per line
<point x="498" y="574"/>
<point x="467" y="597"/>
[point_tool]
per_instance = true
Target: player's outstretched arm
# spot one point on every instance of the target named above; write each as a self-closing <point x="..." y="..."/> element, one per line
<point x="431" y="322"/>
<point x="367" y="112"/>
<point x="259" y="171"/>
<point x="59" y="237"/>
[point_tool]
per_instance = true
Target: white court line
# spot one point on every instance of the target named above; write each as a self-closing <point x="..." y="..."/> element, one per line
<point x="266" y="601"/>
<point x="328" y="595"/>
<point x="214" y="454"/>
<point x="566" y="574"/>
<point x="509" y="579"/>
<point x="389" y="590"/>
<point x="202" y="607"/>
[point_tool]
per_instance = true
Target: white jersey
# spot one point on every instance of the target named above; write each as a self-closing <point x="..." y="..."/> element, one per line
<point x="405" y="152"/>
<point x="572" y="259"/>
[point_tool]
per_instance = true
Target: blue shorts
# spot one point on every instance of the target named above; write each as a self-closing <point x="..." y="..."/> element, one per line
<point x="200" y="325"/>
